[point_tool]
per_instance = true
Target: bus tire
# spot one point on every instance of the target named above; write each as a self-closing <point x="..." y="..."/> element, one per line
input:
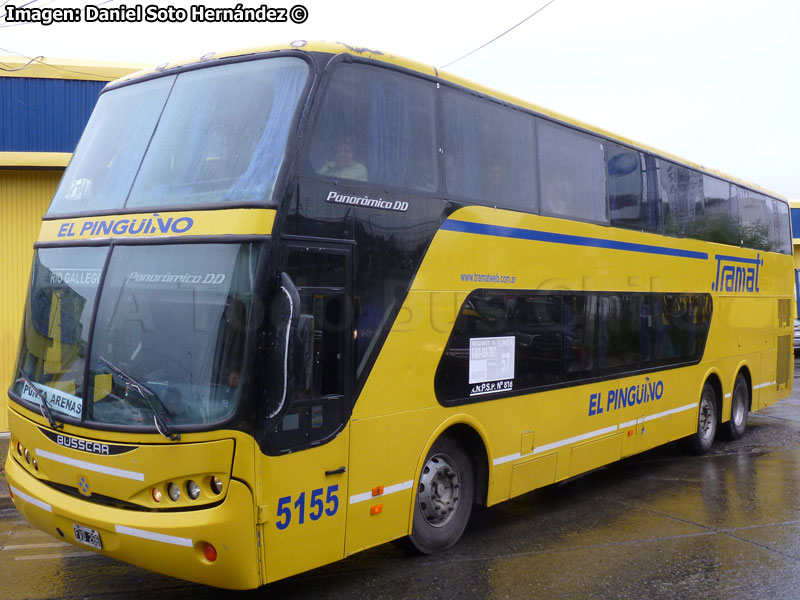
<point x="445" y="493"/>
<point x="701" y="440"/>
<point x="740" y="409"/>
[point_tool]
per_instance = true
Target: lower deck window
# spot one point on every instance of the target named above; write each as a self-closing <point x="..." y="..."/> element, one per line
<point x="505" y="343"/>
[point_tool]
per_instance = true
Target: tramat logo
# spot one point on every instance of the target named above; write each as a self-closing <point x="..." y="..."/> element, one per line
<point x="737" y="274"/>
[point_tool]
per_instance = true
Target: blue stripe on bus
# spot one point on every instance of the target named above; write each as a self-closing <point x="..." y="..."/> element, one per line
<point x="747" y="261"/>
<point x="561" y="238"/>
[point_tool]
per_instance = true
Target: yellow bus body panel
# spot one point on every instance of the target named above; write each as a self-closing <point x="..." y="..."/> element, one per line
<point x="319" y="539"/>
<point x="540" y="438"/>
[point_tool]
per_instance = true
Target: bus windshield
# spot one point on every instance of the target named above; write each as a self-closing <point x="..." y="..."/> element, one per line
<point x="168" y="334"/>
<point x="206" y="136"/>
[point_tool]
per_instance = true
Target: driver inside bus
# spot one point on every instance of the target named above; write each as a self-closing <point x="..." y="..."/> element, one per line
<point x="344" y="163"/>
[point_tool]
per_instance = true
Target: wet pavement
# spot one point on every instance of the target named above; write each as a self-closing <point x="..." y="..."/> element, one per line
<point x="5" y="499"/>
<point x="658" y="525"/>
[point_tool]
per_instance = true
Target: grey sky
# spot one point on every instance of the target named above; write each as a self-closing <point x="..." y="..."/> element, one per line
<point x="714" y="81"/>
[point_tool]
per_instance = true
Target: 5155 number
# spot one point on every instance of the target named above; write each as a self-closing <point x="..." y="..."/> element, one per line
<point x="316" y="506"/>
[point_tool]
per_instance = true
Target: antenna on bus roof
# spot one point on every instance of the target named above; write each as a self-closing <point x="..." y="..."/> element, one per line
<point x="452" y="62"/>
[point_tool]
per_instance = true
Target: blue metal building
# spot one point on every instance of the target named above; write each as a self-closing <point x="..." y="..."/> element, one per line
<point x="44" y="106"/>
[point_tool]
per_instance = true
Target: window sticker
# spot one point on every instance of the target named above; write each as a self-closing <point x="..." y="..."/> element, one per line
<point x="58" y="400"/>
<point x="491" y="359"/>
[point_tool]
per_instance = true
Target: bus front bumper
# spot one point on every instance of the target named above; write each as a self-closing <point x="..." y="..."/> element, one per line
<point x="172" y="543"/>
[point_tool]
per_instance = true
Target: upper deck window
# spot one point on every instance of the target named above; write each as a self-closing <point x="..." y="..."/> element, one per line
<point x="489" y="152"/>
<point x="207" y="136"/>
<point x="376" y="126"/>
<point x="783" y="238"/>
<point x="572" y="173"/>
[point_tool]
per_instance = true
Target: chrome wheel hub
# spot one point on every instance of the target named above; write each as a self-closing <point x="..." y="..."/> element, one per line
<point x="738" y="407"/>
<point x="439" y="490"/>
<point x="706" y="418"/>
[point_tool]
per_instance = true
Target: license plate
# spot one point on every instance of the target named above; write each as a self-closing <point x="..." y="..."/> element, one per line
<point x="88" y="536"/>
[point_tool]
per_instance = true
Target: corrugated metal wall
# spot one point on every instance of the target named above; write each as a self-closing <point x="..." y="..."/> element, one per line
<point x="44" y="115"/>
<point x="24" y="197"/>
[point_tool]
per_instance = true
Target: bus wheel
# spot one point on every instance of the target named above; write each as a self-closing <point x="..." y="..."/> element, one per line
<point x="700" y="441"/>
<point x="444" y="497"/>
<point x="740" y="409"/>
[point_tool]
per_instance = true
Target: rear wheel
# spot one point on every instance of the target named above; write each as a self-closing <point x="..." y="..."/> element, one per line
<point x="740" y="409"/>
<point x="445" y="492"/>
<point x="700" y="442"/>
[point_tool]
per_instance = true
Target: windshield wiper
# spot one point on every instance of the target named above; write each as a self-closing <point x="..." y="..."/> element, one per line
<point x="45" y="408"/>
<point x="146" y="393"/>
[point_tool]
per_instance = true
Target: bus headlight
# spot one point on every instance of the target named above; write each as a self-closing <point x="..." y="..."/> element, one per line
<point x="192" y="489"/>
<point x="216" y="485"/>
<point x="174" y="492"/>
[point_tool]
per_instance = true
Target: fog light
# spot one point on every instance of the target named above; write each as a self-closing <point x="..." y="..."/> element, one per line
<point x="156" y="494"/>
<point x="192" y="489"/>
<point x="216" y="485"/>
<point x="174" y="492"/>
<point x="210" y="552"/>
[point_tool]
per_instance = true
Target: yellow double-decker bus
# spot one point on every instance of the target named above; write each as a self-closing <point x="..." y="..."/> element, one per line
<point x="295" y="302"/>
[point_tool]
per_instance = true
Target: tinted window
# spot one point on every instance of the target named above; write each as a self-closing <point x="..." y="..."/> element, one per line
<point x="489" y="152"/>
<point x="680" y="325"/>
<point x="222" y="135"/>
<point x="210" y="135"/>
<point x="619" y="326"/>
<point x="681" y="192"/>
<point x="376" y="126"/>
<point x="514" y="342"/>
<point x="539" y="339"/>
<point x="755" y="217"/>
<point x="572" y="173"/>
<point x="784" y="240"/>
<point x="317" y="269"/>
<point x="720" y="221"/>
<point x="628" y="206"/>
<point x="580" y="319"/>
<point x="102" y="170"/>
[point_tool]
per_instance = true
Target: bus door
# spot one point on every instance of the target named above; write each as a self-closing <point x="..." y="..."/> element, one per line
<point x="304" y="491"/>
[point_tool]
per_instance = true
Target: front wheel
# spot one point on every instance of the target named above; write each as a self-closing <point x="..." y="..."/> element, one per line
<point x="740" y="409"/>
<point x="445" y="492"/>
<point x="700" y="442"/>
